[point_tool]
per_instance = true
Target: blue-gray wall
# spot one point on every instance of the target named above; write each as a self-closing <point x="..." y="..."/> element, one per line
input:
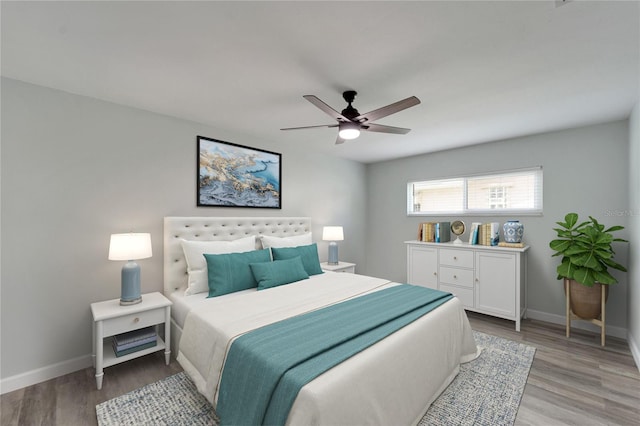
<point x="76" y="169"/>
<point x="585" y="171"/>
<point x="633" y="304"/>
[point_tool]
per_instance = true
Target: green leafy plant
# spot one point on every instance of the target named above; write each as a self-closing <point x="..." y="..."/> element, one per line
<point x="586" y="251"/>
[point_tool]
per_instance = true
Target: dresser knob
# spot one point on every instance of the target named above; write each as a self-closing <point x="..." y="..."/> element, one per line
<point x="435" y="273"/>
<point x="455" y="258"/>
<point x="455" y="276"/>
<point x="136" y="320"/>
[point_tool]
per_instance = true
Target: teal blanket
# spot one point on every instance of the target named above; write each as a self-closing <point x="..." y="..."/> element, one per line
<point x="266" y="368"/>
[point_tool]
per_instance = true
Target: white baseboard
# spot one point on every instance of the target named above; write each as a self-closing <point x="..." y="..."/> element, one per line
<point x="43" y="374"/>
<point x="582" y="325"/>
<point x="635" y="350"/>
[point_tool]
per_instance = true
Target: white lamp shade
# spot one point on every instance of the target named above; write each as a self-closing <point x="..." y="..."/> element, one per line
<point x="130" y="246"/>
<point x="332" y="233"/>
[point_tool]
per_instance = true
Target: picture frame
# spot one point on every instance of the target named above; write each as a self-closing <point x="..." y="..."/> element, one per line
<point x="232" y="175"/>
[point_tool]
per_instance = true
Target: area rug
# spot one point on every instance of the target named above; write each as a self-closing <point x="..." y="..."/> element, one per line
<point x="486" y="392"/>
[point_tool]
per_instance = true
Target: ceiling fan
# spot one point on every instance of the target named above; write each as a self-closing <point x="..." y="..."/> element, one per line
<point x="351" y="122"/>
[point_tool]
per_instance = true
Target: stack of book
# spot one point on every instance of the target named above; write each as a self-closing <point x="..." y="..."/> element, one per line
<point x="134" y="341"/>
<point x="434" y="232"/>
<point x="426" y="232"/>
<point x="485" y="234"/>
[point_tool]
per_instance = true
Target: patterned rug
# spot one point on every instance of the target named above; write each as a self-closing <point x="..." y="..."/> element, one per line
<point x="486" y="392"/>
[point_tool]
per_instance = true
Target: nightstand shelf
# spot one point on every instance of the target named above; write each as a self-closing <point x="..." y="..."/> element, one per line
<point x="340" y="267"/>
<point x="109" y="357"/>
<point x="110" y="319"/>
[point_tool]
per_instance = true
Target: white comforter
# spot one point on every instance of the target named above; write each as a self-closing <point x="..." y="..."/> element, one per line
<point x="392" y="382"/>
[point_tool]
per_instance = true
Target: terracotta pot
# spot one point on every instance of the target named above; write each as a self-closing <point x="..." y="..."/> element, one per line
<point x="586" y="301"/>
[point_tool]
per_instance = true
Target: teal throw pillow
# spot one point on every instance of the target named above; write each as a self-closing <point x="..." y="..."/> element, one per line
<point x="230" y="272"/>
<point x="279" y="272"/>
<point x="308" y="254"/>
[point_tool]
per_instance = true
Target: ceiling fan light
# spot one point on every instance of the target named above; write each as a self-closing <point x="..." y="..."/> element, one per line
<point x="348" y="131"/>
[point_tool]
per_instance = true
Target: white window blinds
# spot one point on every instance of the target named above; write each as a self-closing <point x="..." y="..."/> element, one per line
<point x="516" y="191"/>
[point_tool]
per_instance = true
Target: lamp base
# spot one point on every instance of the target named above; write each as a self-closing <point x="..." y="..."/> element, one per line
<point x="130" y="288"/>
<point x="130" y="302"/>
<point x="333" y="253"/>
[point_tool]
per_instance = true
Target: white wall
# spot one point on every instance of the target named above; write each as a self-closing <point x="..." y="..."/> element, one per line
<point x="75" y="170"/>
<point x="633" y="302"/>
<point x="585" y="171"/>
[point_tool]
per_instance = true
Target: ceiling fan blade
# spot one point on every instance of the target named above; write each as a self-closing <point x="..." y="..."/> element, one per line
<point x="377" y="114"/>
<point x="310" y="127"/>
<point x="326" y="108"/>
<point x="372" y="127"/>
<point x="339" y="140"/>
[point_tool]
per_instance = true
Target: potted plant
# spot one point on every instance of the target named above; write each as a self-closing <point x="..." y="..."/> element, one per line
<point x="587" y="254"/>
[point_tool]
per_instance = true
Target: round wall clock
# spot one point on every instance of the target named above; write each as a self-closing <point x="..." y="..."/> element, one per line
<point x="458" y="228"/>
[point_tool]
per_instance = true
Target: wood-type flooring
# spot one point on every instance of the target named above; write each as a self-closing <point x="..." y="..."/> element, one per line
<point x="572" y="382"/>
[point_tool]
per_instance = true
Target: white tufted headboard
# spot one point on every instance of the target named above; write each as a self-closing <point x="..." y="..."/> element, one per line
<point x="218" y="229"/>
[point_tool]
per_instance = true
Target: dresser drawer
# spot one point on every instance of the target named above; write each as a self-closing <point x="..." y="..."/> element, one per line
<point x="133" y="321"/>
<point x="459" y="258"/>
<point x="464" y="294"/>
<point x="456" y="276"/>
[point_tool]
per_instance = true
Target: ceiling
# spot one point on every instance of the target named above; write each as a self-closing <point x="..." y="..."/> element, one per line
<point x="484" y="71"/>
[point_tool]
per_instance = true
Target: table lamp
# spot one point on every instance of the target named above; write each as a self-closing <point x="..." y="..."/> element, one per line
<point x="332" y="234"/>
<point x="130" y="247"/>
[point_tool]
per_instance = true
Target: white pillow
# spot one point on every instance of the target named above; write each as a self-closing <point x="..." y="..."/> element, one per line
<point x="280" y="242"/>
<point x="194" y="252"/>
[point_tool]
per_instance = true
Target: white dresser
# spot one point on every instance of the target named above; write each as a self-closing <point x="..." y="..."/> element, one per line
<point x="489" y="280"/>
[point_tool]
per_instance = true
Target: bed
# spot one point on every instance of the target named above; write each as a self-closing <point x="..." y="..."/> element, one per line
<point x="393" y="381"/>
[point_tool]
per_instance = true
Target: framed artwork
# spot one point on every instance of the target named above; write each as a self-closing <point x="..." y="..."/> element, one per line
<point x="231" y="175"/>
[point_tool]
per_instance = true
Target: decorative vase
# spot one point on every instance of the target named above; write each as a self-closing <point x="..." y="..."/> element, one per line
<point x="513" y="231"/>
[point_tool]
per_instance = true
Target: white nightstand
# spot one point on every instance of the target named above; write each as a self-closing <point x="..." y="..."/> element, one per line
<point x="110" y="318"/>
<point x="340" y="267"/>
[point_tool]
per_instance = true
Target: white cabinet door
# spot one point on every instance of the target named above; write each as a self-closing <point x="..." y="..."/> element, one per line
<point x="422" y="266"/>
<point x="496" y="283"/>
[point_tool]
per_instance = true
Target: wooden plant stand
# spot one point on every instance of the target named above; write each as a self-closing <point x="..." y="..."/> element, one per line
<point x="600" y="322"/>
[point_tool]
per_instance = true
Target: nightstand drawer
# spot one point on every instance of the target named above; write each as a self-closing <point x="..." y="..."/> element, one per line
<point x="455" y="276"/>
<point x="459" y="258"/>
<point x="134" y="321"/>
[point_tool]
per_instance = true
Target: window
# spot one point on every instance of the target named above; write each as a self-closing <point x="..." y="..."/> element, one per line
<point x="497" y="197"/>
<point x="517" y="191"/>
